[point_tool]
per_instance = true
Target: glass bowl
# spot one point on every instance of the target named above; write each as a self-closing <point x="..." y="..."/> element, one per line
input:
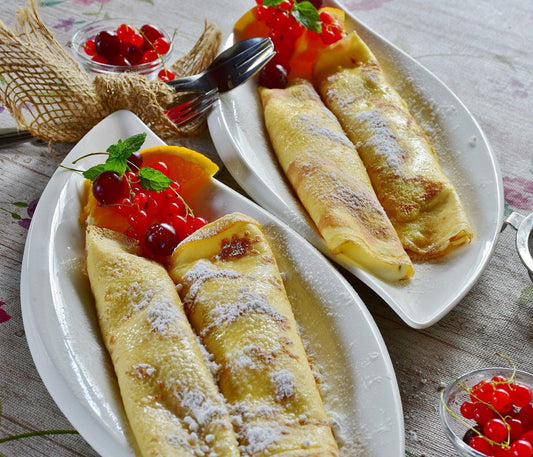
<point x="89" y="31"/>
<point x="454" y="396"/>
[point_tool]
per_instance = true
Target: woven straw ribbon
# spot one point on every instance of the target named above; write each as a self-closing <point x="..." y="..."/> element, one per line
<point x="48" y="93"/>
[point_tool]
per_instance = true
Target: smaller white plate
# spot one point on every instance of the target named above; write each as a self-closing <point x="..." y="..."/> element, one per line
<point x="64" y="338"/>
<point x="237" y="129"/>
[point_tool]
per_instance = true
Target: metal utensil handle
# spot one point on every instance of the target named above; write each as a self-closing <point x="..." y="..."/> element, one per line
<point x="13" y="136"/>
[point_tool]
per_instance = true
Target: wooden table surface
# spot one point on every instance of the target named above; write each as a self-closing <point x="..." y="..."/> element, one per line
<point x="481" y="49"/>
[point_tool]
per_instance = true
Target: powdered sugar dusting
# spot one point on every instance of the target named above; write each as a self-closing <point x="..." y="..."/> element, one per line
<point x="313" y="126"/>
<point x="142" y="371"/>
<point x="138" y="297"/>
<point x="383" y="139"/>
<point x="284" y="384"/>
<point x="201" y="272"/>
<point x="202" y="408"/>
<point x="162" y="317"/>
<point x="247" y="302"/>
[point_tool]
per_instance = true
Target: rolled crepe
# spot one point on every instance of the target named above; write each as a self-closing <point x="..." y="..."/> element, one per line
<point x="170" y="397"/>
<point x="419" y="199"/>
<point x="236" y="302"/>
<point x="331" y="182"/>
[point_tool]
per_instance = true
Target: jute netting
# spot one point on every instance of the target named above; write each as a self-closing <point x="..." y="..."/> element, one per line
<point x="48" y="93"/>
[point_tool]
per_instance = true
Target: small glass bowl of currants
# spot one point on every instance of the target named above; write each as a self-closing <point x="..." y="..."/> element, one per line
<point x="489" y="412"/>
<point x="123" y="45"/>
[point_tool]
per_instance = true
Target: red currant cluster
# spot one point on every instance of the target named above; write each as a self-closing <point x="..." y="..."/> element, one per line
<point x="126" y="47"/>
<point x="288" y="21"/>
<point x="503" y="413"/>
<point x="159" y="220"/>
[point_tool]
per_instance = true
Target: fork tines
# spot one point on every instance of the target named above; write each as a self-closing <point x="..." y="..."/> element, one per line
<point x="193" y="108"/>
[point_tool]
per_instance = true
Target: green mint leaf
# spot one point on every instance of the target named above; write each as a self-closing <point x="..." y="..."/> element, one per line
<point x="117" y="163"/>
<point x="271" y="2"/>
<point x="152" y="179"/>
<point x="93" y="172"/>
<point x="21" y="204"/>
<point x="307" y="15"/>
<point x="133" y="143"/>
<point x="120" y="152"/>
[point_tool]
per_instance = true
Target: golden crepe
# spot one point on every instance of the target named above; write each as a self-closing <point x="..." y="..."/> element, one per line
<point x="419" y="199"/>
<point x="170" y="397"/>
<point x="330" y="180"/>
<point x="236" y="302"/>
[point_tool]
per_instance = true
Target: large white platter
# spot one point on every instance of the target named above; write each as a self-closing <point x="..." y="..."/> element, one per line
<point x="64" y="339"/>
<point x="236" y="126"/>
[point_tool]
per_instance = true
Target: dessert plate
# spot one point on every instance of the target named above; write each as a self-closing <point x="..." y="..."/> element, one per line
<point x="361" y="391"/>
<point x="237" y="129"/>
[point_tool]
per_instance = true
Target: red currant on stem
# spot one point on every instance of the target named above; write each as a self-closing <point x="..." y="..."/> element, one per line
<point x="162" y="45"/>
<point x="495" y="429"/>
<point x="166" y="75"/>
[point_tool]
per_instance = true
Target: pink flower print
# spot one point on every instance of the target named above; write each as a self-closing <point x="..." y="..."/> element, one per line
<point x="4" y="317"/>
<point x="518" y="193"/>
<point x="364" y="5"/>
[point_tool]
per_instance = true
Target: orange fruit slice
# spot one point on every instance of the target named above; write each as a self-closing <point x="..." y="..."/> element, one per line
<point x="189" y="168"/>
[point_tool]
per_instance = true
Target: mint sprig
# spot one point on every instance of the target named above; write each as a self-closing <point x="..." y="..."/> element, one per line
<point x="152" y="179"/>
<point x="118" y="156"/>
<point x="307" y="15"/>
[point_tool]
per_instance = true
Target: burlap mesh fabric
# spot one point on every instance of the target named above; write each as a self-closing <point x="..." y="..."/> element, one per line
<point x="48" y="93"/>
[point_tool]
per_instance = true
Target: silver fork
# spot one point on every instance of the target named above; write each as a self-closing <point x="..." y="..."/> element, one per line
<point x="191" y="109"/>
<point x="230" y="68"/>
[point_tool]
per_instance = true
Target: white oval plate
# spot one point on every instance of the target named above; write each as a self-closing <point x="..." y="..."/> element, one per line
<point x="237" y="129"/>
<point x="64" y="337"/>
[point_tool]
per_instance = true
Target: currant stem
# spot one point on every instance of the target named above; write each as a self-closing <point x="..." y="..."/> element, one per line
<point x="38" y="433"/>
<point x="89" y="155"/>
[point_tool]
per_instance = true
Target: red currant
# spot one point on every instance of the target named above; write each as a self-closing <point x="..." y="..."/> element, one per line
<point x="467" y="410"/>
<point x="149" y="56"/>
<point x="138" y="220"/>
<point x="480" y="444"/>
<point x="482" y="413"/>
<point x="528" y="436"/>
<point x="495" y="429"/>
<point x="166" y="75"/>
<point x="162" y="45"/>
<point x="125" y="32"/>
<point x="501" y="400"/>
<point x="88" y="47"/>
<point x="520" y="395"/>
<point x="521" y="448"/>
<point x="109" y="187"/>
<point x="516" y="428"/>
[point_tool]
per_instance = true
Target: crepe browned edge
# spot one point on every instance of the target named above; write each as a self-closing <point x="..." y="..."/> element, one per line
<point x="236" y="302"/>
<point x="170" y="398"/>
<point x="421" y="202"/>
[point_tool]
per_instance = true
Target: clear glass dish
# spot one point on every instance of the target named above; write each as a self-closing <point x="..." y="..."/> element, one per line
<point x="454" y="395"/>
<point x="89" y="31"/>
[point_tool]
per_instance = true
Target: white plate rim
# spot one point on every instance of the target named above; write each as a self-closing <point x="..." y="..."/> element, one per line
<point x="256" y="182"/>
<point x="52" y="353"/>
